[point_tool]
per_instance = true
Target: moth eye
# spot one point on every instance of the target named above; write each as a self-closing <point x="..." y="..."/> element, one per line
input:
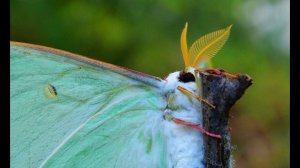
<point x="50" y="91"/>
<point x="186" y="77"/>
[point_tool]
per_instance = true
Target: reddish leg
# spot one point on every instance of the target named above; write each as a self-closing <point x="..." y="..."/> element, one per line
<point x="196" y="126"/>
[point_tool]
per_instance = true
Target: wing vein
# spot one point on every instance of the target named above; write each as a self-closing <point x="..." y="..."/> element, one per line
<point x="74" y="132"/>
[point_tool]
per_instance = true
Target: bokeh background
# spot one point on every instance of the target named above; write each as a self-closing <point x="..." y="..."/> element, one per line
<point x="145" y="36"/>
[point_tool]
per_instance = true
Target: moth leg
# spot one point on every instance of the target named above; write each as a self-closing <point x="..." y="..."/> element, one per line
<point x="218" y="72"/>
<point x="196" y="126"/>
<point x="190" y="94"/>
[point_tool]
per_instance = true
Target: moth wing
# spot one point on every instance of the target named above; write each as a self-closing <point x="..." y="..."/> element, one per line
<point x="71" y="111"/>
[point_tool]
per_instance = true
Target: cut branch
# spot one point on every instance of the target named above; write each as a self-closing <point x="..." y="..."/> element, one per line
<point x="222" y="92"/>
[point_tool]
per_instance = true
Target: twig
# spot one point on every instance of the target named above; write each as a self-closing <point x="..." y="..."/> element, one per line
<point x="223" y="92"/>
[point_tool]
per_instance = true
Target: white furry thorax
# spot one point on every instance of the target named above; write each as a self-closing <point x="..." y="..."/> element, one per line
<point x="184" y="145"/>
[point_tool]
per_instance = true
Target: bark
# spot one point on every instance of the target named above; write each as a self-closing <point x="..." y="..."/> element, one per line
<point x="222" y="92"/>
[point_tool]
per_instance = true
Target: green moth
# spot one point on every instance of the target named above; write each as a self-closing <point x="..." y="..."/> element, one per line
<point x="71" y="111"/>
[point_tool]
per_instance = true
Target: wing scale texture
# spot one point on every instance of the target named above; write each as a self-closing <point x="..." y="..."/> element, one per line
<point x="99" y="115"/>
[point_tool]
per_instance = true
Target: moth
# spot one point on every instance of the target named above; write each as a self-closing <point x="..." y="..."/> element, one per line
<point x="71" y="111"/>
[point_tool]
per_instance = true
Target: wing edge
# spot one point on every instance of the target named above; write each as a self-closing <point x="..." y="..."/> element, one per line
<point x="148" y="79"/>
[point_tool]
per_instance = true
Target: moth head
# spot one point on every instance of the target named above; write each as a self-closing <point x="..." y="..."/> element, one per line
<point x="198" y="56"/>
<point x="186" y="78"/>
<point x="188" y="75"/>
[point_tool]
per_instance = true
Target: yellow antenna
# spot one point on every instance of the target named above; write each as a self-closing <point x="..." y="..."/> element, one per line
<point x="207" y="46"/>
<point x="184" y="48"/>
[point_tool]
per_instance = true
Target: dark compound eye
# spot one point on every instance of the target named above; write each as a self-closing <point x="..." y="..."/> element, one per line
<point x="186" y="77"/>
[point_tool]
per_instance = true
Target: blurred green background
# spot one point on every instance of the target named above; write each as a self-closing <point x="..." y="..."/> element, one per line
<point x="145" y="36"/>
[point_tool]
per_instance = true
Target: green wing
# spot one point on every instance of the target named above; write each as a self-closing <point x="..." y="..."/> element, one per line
<point x="71" y="111"/>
